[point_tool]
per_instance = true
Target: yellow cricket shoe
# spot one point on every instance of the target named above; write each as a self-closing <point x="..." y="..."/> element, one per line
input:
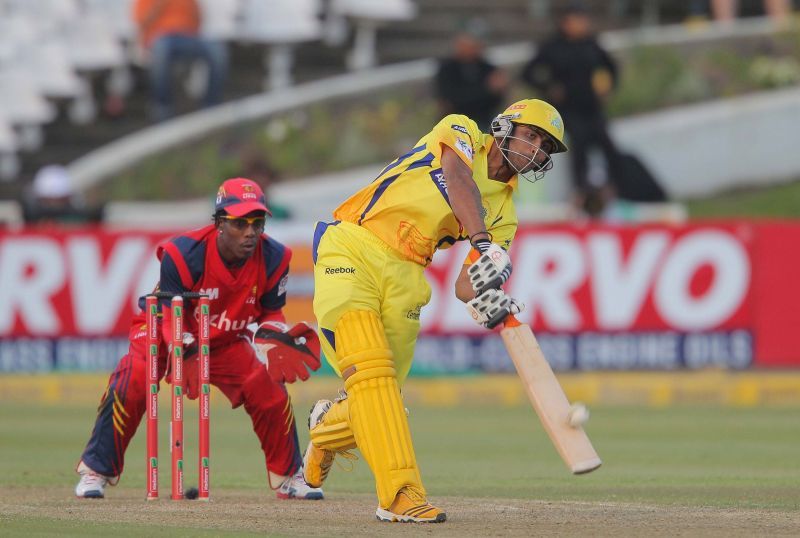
<point x="411" y="507"/>
<point x="316" y="464"/>
<point x="317" y="461"/>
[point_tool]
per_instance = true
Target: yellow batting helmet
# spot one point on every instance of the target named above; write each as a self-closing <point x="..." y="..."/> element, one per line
<point x="533" y="112"/>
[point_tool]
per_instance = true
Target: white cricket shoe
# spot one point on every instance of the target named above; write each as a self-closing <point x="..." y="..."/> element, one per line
<point x="295" y="487"/>
<point x="92" y="485"/>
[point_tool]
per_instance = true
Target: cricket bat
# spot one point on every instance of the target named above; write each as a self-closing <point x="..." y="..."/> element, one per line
<point x="548" y="398"/>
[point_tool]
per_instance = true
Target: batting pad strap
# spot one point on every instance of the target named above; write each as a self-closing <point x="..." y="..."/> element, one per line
<point x="357" y="360"/>
<point x="334" y="432"/>
<point x="369" y="370"/>
<point x="377" y="416"/>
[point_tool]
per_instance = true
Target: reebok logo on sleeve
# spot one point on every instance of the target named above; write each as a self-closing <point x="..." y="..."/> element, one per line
<point x="464" y="148"/>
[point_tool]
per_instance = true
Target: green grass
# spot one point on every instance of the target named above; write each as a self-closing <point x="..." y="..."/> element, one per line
<point x="714" y="457"/>
<point x="781" y="201"/>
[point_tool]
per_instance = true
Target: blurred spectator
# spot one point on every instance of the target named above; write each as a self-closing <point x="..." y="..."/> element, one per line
<point x="256" y="168"/>
<point x="52" y="200"/>
<point x="169" y="34"/>
<point x="466" y="82"/>
<point x="573" y="72"/>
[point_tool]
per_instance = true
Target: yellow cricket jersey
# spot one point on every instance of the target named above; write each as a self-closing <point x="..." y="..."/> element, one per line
<point x="407" y="205"/>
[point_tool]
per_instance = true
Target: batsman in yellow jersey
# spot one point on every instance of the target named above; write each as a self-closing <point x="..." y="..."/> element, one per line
<point x="456" y="184"/>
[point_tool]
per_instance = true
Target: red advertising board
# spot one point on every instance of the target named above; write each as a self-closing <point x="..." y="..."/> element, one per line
<point x="652" y="296"/>
<point x="688" y="278"/>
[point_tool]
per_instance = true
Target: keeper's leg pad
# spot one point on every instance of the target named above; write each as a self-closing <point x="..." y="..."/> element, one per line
<point x="333" y="432"/>
<point x="377" y="415"/>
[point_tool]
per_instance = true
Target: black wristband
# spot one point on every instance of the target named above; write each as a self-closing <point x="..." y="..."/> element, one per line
<point x="480" y="244"/>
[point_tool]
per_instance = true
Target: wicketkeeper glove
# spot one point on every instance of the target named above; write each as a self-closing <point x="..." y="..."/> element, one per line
<point x="492" y="307"/>
<point x="190" y="347"/>
<point x="492" y="269"/>
<point x="189" y="353"/>
<point x="288" y="351"/>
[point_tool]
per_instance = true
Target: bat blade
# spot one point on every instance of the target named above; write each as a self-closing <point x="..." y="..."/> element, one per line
<point x="548" y="398"/>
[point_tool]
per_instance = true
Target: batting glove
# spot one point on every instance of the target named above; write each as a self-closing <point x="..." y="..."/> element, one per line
<point x="492" y="269"/>
<point x="492" y="307"/>
<point x="287" y="351"/>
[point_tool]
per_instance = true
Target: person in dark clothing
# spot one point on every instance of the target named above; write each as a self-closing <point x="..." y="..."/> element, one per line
<point x="52" y="201"/>
<point x="468" y="84"/>
<point x="574" y="73"/>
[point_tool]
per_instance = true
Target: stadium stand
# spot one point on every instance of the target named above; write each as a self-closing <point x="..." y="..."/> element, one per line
<point x="367" y="17"/>
<point x="92" y="61"/>
<point x="280" y="25"/>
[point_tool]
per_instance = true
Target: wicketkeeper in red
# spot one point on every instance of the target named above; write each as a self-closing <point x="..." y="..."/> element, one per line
<point x="244" y="272"/>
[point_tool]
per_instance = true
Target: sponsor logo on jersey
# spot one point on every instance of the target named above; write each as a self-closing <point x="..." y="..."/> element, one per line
<point x="141" y="333"/>
<point x="223" y="323"/>
<point x="465" y="148"/>
<point x="282" y="284"/>
<point x="438" y="179"/>
<point x="339" y="270"/>
<point x="252" y="298"/>
<point x="414" y="312"/>
<point x="459" y="128"/>
<point x="213" y="293"/>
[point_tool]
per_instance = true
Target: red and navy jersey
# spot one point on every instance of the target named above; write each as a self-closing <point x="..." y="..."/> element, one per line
<point x="250" y="293"/>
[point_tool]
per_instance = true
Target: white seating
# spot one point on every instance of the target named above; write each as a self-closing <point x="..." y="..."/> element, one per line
<point x="220" y="19"/>
<point x="49" y="14"/>
<point x="49" y="68"/>
<point x="24" y="47"/>
<point x="90" y="44"/>
<point x="8" y="141"/>
<point x="9" y="163"/>
<point x="24" y="107"/>
<point x="383" y="11"/>
<point x="117" y="14"/>
<point x="16" y="33"/>
<point x="280" y="23"/>
<point x="34" y="67"/>
<point x="20" y="102"/>
<point x="83" y="109"/>
<point x="367" y="16"/>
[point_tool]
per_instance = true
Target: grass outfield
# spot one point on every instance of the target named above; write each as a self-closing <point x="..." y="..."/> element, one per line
<point x="677" y="471"/>
<point x="774" y="201"/>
